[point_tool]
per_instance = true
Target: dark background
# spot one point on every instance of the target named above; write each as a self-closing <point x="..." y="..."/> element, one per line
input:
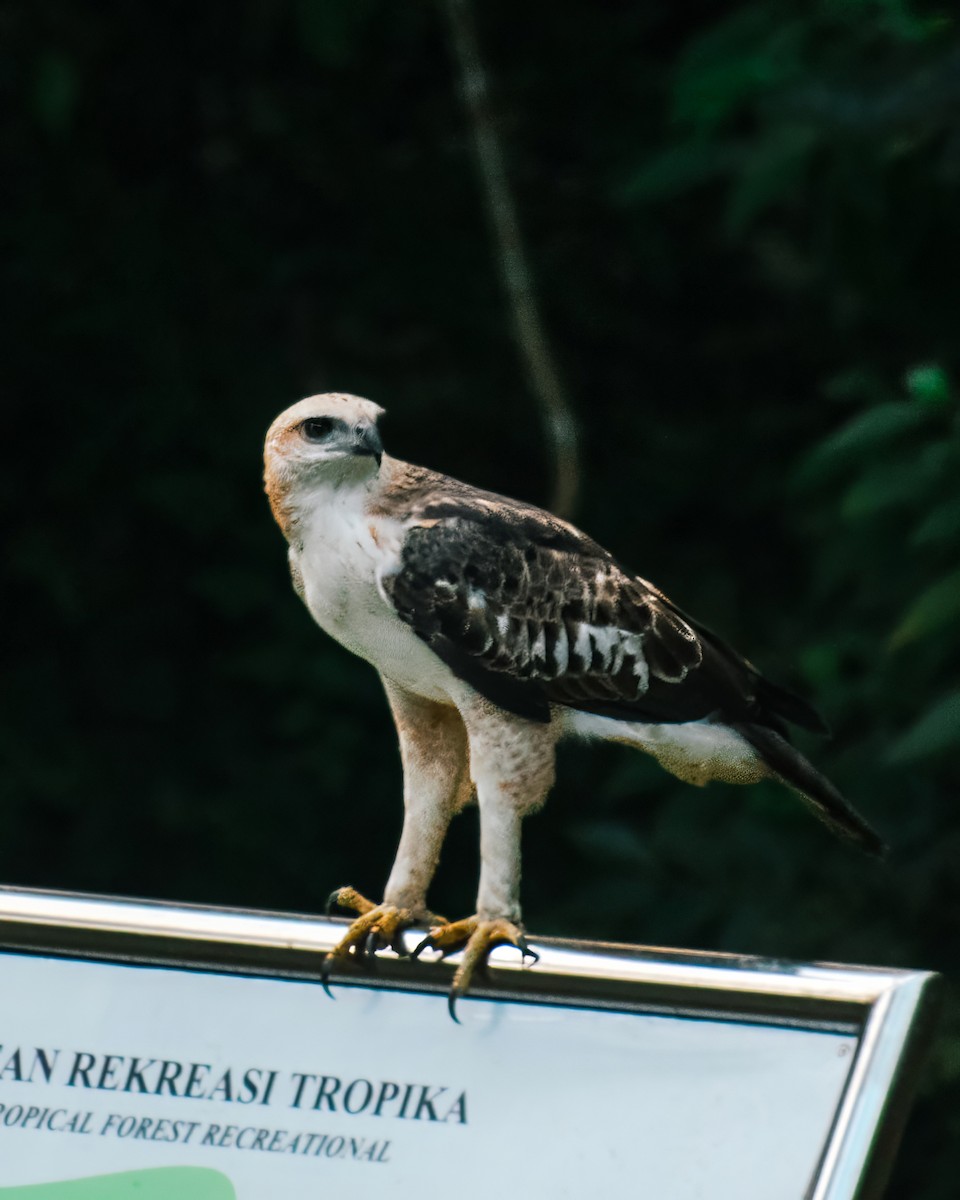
<point x="744" y="223"/>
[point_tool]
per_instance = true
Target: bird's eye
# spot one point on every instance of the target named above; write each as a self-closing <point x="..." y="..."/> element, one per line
<point x="315" y="429"/>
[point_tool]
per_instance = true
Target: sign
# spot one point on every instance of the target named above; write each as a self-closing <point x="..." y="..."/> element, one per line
<point x="151" y="1051"/>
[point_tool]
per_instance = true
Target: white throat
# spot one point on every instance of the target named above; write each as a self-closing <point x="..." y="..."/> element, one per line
<point x="321" y="502"/>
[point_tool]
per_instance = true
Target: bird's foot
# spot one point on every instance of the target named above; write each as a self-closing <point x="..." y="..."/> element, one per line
<point x="377" y="926"/>
<point x="476" y="937"/>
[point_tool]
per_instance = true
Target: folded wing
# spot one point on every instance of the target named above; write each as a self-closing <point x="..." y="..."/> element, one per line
<point x="530" y="612"/>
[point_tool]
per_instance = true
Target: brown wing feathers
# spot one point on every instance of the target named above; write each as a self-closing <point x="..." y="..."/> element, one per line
<point x="529" y="612"/>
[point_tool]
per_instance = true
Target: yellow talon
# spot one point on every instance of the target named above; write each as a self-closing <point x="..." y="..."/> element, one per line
<point x="376" y="926"/>
<point x="477" y="938"/>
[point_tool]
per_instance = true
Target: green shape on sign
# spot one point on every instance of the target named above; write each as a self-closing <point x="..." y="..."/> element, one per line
<point x="162" y="1183"/>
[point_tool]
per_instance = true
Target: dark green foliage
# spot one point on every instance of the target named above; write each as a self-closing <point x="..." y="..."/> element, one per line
<point x="744" y="223"/>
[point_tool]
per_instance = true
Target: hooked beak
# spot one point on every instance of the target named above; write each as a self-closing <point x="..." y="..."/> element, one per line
<point x="366" y="440"/>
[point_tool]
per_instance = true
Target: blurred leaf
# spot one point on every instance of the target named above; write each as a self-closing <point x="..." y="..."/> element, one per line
<point x="680" y="169"/>
<point x="742" y="56"/>
<point x="929" y="385"/>
<point x="936" y="607"/>
<point x="859" y="438"/>
<point x="772" y="169"/>
<point x="820" y="664"/>
<point x="904" y="23"/>
<point x="940" y="525"/>
<point x="937" y="730"/>
<point x="889" y="486"/>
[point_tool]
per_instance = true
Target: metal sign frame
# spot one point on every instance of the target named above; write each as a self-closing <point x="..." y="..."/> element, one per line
<point x="891" y="1013"/>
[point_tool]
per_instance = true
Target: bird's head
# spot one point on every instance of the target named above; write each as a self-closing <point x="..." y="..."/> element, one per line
<point x="327" y="440"/>
<point x="333" y="435"/>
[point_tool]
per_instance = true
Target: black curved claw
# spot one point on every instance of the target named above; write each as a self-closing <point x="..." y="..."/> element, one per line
<point x="371" y="945"/>
<point x="452" y="1005"/>
<point x="332" y="901"/>
<point x="325" y="968"/>
<point x="427" y="944"/>
<point x="525" y="951"/>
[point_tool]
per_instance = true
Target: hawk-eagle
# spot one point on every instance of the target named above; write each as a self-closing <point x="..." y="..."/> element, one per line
<point x="498" y="629"/>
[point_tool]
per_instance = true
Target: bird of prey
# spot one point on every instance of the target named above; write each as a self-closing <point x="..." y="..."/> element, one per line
<point x="498" y="629"/>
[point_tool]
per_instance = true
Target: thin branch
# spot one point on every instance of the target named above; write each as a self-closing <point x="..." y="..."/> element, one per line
<point x="531" y="339"/>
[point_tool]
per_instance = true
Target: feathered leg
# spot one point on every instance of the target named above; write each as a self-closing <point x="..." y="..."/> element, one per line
<point x="512" y="766"/>
<point x="436" y="784"/>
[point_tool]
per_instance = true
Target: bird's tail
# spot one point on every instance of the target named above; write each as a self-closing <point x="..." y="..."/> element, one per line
<point x="793" y="770"/>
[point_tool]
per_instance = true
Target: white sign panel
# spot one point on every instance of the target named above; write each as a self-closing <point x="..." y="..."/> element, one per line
<point x="283" y="1091"/>
<point x="128" y="1081"/>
